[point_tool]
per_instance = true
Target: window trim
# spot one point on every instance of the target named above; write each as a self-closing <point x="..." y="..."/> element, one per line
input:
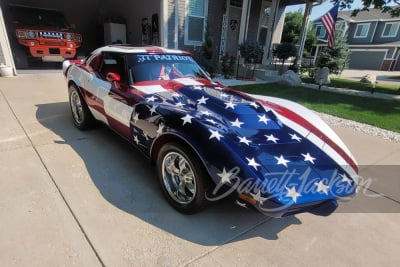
<point x="191" y="42"/>
<point x="390" y="36"/>
<point x="361" y="36"/>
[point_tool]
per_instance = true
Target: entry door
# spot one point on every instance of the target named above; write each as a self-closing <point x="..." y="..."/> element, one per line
<point x="232" y="33"/>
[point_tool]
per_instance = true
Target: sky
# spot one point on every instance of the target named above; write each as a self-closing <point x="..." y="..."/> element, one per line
<point x="320" y="10"/>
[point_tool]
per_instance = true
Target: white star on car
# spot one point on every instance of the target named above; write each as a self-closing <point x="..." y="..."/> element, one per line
<point x="291" y="192"/>
<point x="187" y="119"/>
<point x="263" y="119"/>
<point x="254" y="104"/>
<point x="153" y="109"/>
<point x="271" y="138"/>
<point x="206" y="112"/>
<point x="136" y="117"/>
<point x="237" y="123"/>
<point x="151" y="99"/>
<point x="160" y="128"/>
<point x="257" y="197"/>
<point x="244" y="140"/>
<point x="282" y="161"/>
<point x="223" y="95"/>
<point x="321" y="187"/>
<point x="136" y="139"/>
<point x="230" y="105"/>
<point x="295" y="137"/>
<point x="180" y="104"/>
<point x="225" y="176"/>
<point x="253" y="163"/>
<point x="345" y="178"/>
<point x="211" y="121"/>
<point x="308" y="157"/>
<point x="215" y="134"/>
<point x="202" y="100"/>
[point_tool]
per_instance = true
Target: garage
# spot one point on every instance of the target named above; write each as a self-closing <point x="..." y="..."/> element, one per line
<point x="90" y="24"/>
<point x="366" y="59"/>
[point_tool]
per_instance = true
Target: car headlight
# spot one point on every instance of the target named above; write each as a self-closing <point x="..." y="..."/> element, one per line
<point x="31" y="35"/>
<point x="68" y="36"/>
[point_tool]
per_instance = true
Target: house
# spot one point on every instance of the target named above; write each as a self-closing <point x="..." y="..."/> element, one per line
<point x="179" y="23"/>
<point x="373" y="38"/>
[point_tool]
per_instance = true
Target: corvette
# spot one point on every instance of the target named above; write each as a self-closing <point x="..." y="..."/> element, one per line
<point x="209" y="141"/>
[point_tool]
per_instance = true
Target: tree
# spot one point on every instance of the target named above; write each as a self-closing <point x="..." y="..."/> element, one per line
<point x="335" y="57"/>
<point x="285" y="51"/>
<point x="292" y="28"/>
<point x="207" y="59"/>
<point x="378" y="4"/>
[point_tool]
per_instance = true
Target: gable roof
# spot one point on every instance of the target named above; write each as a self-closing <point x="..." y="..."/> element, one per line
<point x="371" y="15"/>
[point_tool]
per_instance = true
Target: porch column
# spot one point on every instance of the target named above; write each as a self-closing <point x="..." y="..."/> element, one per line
<point x="244" y="21"/>
<point x="164" y="23"/>
<point x="303" y="34"/>
<point x="275" y="27"/>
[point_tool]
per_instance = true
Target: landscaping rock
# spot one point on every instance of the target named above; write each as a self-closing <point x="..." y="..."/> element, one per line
<point x="290" y="78"/>
<point x="321" y="76"/>
<point x="369" y="78"/>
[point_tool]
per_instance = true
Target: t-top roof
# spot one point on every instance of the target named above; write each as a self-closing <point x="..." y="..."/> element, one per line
<point x="128" y="49"/>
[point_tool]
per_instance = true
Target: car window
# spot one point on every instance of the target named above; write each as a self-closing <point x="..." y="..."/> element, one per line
<point x="149" y="67"/>
<point x="115" y="63"/>
<point x="94" y="61"/>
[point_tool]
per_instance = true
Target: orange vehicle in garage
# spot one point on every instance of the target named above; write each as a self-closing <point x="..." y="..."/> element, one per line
<point x="46" y="33"/>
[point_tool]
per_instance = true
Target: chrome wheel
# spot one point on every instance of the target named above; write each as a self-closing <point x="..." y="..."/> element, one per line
<point x="178" y="178"/>
<point x="76" y="107"/>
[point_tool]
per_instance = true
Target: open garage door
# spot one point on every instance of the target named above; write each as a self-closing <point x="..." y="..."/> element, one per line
<point x="366" y="60"/>
<point x="87" y="21"/>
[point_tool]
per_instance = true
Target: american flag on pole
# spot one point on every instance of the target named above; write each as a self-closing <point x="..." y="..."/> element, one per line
<point x="329" y="20"/>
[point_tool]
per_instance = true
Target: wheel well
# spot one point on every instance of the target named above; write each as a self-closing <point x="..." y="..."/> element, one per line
<point x="72" y="83"/>
<point x="168" y="138"/>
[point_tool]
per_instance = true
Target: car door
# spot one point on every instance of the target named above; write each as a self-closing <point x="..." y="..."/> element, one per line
<point x="118" y="100"/>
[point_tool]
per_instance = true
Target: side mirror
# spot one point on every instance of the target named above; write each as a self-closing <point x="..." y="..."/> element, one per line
<point x="113" y="77"/>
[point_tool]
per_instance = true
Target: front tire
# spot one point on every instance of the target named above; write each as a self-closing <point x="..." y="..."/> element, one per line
<point x="81" y="115"/>
<point x="183" y="178"/>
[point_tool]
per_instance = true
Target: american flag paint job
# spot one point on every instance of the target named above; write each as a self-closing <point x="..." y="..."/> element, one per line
<point x="274" y="152"/>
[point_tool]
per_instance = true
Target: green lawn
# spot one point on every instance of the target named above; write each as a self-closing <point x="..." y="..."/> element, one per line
<point x="377" y="112"/>
<point x="356" y="85"/>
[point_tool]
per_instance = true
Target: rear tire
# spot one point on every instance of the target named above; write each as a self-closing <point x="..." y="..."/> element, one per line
<point x="183" y="178"/>
<point x="81" y="115"/>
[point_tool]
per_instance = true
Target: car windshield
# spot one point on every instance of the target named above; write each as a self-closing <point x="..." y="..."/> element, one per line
<point x="29" y="16"/>
<point x="150" y="67"/>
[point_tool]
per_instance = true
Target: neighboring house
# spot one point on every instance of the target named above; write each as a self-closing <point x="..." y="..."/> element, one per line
<point x="373" y="38"/>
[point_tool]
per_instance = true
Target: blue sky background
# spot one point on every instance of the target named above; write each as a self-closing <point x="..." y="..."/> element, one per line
<point x="320" y="10"/>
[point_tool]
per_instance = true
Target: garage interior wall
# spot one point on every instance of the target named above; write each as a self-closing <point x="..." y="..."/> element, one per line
<point x="132" y="11"/>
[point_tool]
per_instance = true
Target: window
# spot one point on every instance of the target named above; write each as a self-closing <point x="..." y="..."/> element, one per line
<point x="361" y="30"/>
<point x="321" y="31"/>
<point x="391" y="29"/>
<point x="195" y="22"/>
<point x="115" y="63"/>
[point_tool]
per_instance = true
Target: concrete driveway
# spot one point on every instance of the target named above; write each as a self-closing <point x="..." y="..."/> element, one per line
<point x="71" y="198"/>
